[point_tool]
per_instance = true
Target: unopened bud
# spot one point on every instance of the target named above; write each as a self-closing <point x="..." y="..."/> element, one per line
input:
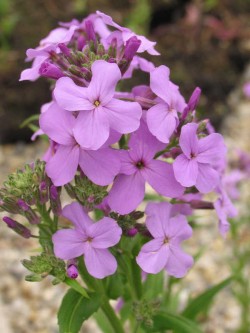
<point x="90" y="30"/>
<point x="131" y="47"/>
<point x="132" y="232"/>
<point x="55" y="200"/>
<point x="43" y="192"/>
<point x="17" y="227"/>
<point x="50" y="71"/>
<point x="72" y="270"/>
<point x="80" y="42"/>
<point x="199" y="204"/>
<point x="64" y="49"/>
<point x="22" y="204"/>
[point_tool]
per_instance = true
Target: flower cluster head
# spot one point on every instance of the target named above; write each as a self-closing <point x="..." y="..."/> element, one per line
<point x="109" y="146"/>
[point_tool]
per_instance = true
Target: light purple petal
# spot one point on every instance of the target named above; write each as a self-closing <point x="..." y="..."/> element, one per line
<point x="92" y="129"/>
<point x="178" y="229"/>
<point x="143" y="144"/>
<point x="178" y="262"/>
<point x="207" y="178"/>
<point x="76" y="214"/>
<point x="127" y="163"/>
<point x="70" y="96"/>
<point x="158" y="216"/>
<point x="185" y="170"/>
<point x="68" y="244"/>
<point x="32" y="73"/>
<point x="57" y="124"/>
<point x="105" y="233"/>
<point x="61" y="167"/>
<point x="153" y="256"/>
<point x="124" y="117"/>
<point x="127" y="193"/>
<point x="99" y="262"/>
<point x="162" y="122"/>
<point x="104" y="81"/>
<point x="211" y="148"/>
<point x="159" y="81"/>
<point x="189" y="139"/>
<point x="100" y="166"/>
<point x="160" y="176"/>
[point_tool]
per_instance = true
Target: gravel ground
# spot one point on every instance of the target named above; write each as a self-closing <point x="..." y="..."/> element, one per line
<point x="31" y="307"/>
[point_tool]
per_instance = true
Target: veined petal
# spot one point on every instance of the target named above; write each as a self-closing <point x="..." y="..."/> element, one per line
<point x="92" y="129"/>
<point x="127" y="193"/>
<point x="104" y="233"/>
<point x="76" y="214"/>
<point x="99" y="262"/>
<point x="178" y="229"/>
<point x="104" y="81"/>
<point x="161" y="177"/>
<point x="61" y="167"/>
<point x="68" y="244"/>
<point x="207" y="178"/>
<point x="185" y="170"/>
<point x="58" y="124"/>
<point x="100" y="166"/>
<point x="211" y="148"/>
<point x="158" y="216"/>
<point x="162" y="122"/>
<point x="70" y="96"/>
<point x="153" y="256"/>
<point x="189" y="139"/>
<point x="124" y="117"/>
<point x="178" y="262"/>
<point x="159" y="81"/>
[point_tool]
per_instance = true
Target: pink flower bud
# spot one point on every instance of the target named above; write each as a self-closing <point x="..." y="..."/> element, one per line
<point x="17" y="227"/>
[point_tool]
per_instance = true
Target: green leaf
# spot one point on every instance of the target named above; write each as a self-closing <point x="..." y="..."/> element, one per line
<point x="76" y="286"/>
<point x="29" y="120"/>
<point x="75" y="309"/>
<point x="103" y="322"/>
<point x="201" y="302"/>
<point x="168" y="321"/>
<point x="153" y="285"/>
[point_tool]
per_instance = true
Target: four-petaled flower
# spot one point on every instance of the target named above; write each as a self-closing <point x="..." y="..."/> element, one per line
<point x="88" y="238"/>
<point x="99" y="110"/>
<point x="164" y="250"/>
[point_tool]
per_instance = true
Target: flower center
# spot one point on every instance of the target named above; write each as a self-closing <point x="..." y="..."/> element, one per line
<point x="192" y="155"/>
<point x="97" y="103"/>
<point x="89" y="239"/>
<point x="140" y="165"/>
<point x="166" y="240"/>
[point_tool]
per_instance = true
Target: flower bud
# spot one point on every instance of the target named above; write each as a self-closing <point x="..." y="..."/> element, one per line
<point x="131" y="47"/>
<point x="22" y="204"/>
<point x="132" y="232"/>
<point x="64" y="49"/>
<point x="72" y="270"/>
<point x="43" y="192"/>
<point x="90" y="31"/>
<point x="17" y="227"/>
<point x="50" y="71"/>
<point x="55" y="200"/>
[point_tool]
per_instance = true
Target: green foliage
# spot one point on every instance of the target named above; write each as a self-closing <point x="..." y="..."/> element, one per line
<point x="75" y="309"/>
<point x="43" y="265"/>
<point x="201" y="302"/>
<point x="168" y="321"/>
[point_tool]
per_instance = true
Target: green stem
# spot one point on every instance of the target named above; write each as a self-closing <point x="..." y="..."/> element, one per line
<point x="112" y="317"/>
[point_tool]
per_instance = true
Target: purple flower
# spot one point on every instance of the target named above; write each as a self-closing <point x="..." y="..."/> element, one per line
<point x="100" y="166"/>
<point x="88" y="238"/>
<point x="164" y="250"/>
<point x="139" y="167"/>
<point x="195" y="166"/>
<point x="224" y="209"/>
<point x="162" y="118"/>
<point x="99" y="110"/>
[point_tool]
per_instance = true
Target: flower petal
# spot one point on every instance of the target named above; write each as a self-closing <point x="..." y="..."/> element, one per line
<point x="92" y="129"/>
<point x="68" y="244"/>
<point x="127" y="193"/>
<point x="57" y="124"/>
<point x="70" y="96"/>
<point x="105" y="76"/>
<point x="153" y="256"/>
<point x="158" y="215"/>
<point x="76" y="214"/>
<point x="211" y="148"/>
<point x="185" y="170"/>
<point x="189" y="139"/>
<point x="100" y="166"/>
<point x="178" y="229"/>
<point x="124" y="117"/>
<point x="61" y="167"/>
<point x="178" y="262"/>
<point x="207" y="178"/>
<point x="159" y="81"/>
<point x="99" y="262"/>
<point x="160" y="176"/>
<point x="162" y="122"/>
<point x="105" y="233"/>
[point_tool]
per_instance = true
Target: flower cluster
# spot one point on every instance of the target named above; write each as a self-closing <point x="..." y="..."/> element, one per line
<point x="118" y="143"/>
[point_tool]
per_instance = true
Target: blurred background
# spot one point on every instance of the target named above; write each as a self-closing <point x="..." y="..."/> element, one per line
<point x="204" y="43"/>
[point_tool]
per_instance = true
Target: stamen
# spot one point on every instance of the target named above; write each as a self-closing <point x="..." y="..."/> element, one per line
<point x="97" y="103"/>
